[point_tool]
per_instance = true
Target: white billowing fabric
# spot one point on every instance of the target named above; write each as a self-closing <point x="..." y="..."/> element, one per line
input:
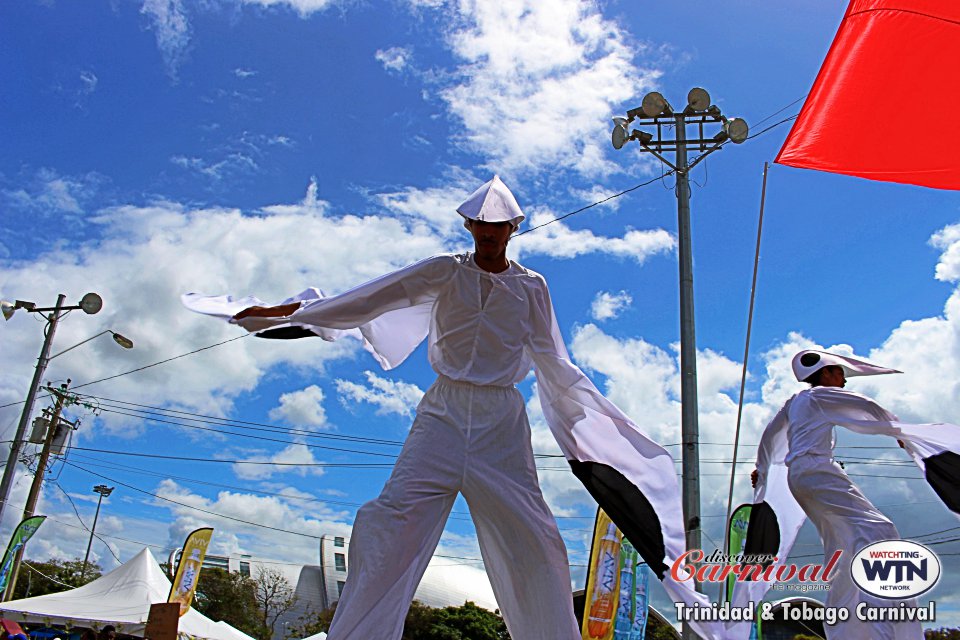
<point x="485" y="341"/>
<point x="851" y="366"/>
<point x="492" y="202"/>
<point x="797" y="474"/>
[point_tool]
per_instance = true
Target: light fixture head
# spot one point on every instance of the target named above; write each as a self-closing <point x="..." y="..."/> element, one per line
<point x="619" y="136"/>
<point x="698" y="99"/>
<point x="103" y="490"/>
<point x="91" y="303"/>
<point x="7" y="308"/>
<point x="737" y="129"/>
<point x="654" y="104"/>
<point x="123" y="341"/>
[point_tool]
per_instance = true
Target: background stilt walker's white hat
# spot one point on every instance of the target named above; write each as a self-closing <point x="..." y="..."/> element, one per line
<point x="809" y="361"/>
<point x="492" y="202"/>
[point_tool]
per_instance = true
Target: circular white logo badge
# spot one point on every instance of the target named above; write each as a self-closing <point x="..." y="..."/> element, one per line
<point x="895" y="569"/>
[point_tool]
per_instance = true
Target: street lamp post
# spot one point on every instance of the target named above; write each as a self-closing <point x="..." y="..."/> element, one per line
<point x="90" y="303"/>
<point x="655" y="111"/>
<point x="104" y="491"/>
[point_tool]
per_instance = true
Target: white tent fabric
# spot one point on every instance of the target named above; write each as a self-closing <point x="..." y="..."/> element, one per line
<point x="121" y="598"/>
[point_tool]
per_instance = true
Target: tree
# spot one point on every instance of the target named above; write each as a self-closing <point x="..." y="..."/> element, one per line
<point x="468" y="622"/>
<point x="942" y="634"/>
<point x="230" y="597"/>
<point x="52" y="576"/>
<point x="275" y="597"/>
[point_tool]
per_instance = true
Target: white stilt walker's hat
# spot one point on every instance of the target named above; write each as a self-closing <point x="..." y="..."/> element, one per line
<point x="492" y="202"/>
<point x="809" y="361"/>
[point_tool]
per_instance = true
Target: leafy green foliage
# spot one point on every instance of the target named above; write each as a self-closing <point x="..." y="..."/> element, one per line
<point x="230" y="597"/>
<point x="52" y="576"/>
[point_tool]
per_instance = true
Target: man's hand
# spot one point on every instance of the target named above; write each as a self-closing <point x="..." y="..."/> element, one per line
<point x="754" y="477"/>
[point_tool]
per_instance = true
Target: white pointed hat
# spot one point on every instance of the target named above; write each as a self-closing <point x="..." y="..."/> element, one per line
<point x="809" y="361"/>
<point x="492" y="202"/>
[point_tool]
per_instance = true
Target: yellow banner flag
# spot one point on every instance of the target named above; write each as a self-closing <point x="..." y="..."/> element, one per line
<point x="603" y="580"/>
<point x="188" y="568"/>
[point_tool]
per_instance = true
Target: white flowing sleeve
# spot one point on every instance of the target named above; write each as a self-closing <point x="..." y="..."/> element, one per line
<point x="934" y="447"/>
<point x="390" y="314"/>
<point x="631" y="477"/>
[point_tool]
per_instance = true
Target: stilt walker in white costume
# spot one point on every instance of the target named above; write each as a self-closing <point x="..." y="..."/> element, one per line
<point x="797" y="447"/>
<point x="487" y="320"/>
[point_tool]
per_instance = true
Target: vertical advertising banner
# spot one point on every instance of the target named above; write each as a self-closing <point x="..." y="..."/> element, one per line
<point x="603" y="581"/>
<point x="631" y="620"/>
<point x="737" y="539"/>
<point x="188" y="569"/>
<point x="21" y="534"/>
<point x="640" y="601"/>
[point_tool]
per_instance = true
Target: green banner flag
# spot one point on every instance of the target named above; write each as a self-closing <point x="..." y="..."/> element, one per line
<point x="737" y="539"/>
<point x="21" y="534"/>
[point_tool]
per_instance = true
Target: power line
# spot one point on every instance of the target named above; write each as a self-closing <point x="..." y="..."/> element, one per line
<point x="154" y="364"/>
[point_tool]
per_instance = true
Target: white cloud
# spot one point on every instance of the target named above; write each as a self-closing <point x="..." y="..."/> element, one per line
<point x="242" y="73"/>
<point x="89" y="81"/>
<point x="389" y="396"/>
<point x="295" y="458"/>
<point x="394" y="59"/>
<point x="303" y="7"/>
<point x="302" y="408"/>
<point x="527" y="65"/>
<point x="172" y="30"/>
<point x="49" y="192"/>
<point x="608" y="305"/>
<point x="948" y="240"/>
<point x="560" y="241"/>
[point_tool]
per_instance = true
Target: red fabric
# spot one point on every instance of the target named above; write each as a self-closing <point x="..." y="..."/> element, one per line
<point x="11" y="627"/>
<point x="884" y="105"/>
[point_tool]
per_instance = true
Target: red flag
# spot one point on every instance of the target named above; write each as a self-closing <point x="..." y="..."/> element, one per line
<point x="883" y="105"/>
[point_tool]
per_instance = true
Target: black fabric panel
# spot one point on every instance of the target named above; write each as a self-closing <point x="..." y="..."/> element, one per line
<point x="763" y="532"/>
<point x="286" y="333"/>
<point x="628" y="508"/>
<point x="943" y="474"/>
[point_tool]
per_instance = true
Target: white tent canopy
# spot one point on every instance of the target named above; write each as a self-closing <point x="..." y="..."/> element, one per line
<point x="121" y="598"/>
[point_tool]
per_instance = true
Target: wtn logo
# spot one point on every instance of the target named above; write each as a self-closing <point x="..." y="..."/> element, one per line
<point x="895" y="569"/>
<point x="903" y="570"/>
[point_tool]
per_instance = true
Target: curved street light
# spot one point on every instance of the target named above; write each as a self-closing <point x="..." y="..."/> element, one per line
<point x="91" y="303"/>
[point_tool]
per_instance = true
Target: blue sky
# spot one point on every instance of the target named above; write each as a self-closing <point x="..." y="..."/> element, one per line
<point x="158" y="147"/>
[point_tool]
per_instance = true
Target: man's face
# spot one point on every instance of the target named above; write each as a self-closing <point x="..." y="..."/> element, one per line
<point x="490" y="238"/>
<point x="833" y="376"/>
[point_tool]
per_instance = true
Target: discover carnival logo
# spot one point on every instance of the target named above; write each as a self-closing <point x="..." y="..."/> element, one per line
<point x="895" y="569"/>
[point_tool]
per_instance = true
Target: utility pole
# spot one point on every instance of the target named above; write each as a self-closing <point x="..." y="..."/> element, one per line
<point x="62" y="398"/>
<point x="91" y="303"/>
<point x="656" y="112"/>
<point x="8" y="472"/>
<point x="104" y="491"/>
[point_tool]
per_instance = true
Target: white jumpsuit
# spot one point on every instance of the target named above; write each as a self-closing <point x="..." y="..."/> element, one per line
<point x="471" y="436"/>
<point x="801" y="436"/>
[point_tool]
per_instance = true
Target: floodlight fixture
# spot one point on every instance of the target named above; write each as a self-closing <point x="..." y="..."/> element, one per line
<point x="7" y="308"/>
<point x="698" y="99"/>
<point x="620" y="135"/>
<point x="737" y="129"/>
<point x="91" y="303"/>
<point x="654" y="104"/>
<point x="642" y="136"/>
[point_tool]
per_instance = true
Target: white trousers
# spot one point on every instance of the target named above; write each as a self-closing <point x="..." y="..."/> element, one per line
<point x="476" y="441"/>
<point x="847" y="521"/>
